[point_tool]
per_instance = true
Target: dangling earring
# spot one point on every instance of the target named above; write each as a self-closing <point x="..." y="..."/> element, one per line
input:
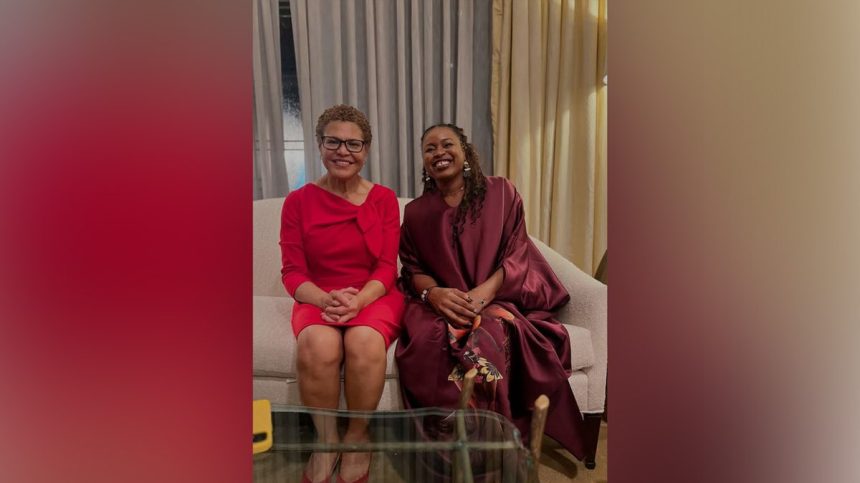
<point x="424" y="176"/>
<point x="467" y="170"/>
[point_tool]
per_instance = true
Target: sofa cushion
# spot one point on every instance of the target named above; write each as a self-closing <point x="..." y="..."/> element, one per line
<point x="275" y="346"/>
<point x="274" y="343"/>
<point x="267" y="250"/>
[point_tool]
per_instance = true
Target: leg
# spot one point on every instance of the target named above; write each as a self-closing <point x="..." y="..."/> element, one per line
<point x="364" y="378"/>
<point x="364" y="367"/>
<point x="319" y="357"/>
<point x="592" y="431"/>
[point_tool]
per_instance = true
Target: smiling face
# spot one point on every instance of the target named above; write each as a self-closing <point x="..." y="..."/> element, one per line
<point x="443" y="154"/>
<point x="341" y="163"/>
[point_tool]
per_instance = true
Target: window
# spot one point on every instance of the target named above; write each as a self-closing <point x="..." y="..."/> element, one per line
<point x="294" y="148"/>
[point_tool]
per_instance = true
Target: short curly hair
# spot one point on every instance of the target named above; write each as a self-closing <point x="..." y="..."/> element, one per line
<point x="344" y="113"/>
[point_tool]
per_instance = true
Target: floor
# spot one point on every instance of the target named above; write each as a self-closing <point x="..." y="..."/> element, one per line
<point x="557" y="465"/>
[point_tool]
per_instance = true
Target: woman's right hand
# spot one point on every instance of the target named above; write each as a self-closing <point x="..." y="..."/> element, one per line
<point x="455" y="305"/>
<point x="336" y="298"/>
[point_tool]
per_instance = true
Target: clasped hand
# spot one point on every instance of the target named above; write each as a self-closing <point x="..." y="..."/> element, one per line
<point x="457" y="306"/>
<point x="341" y="305"/>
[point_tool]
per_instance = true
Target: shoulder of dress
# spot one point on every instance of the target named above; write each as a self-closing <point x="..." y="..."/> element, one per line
<point x="409" y="210"/>
<point x="295" y="196"/>
<point x="503" y="185"/>
<point x="500" y="181"/>
<point x="418" y="207"/>
<point x="294" y="204"/>
<point x="384" y="191"/>
<point x="383" y="197"/>
<point x="417" y="203"/>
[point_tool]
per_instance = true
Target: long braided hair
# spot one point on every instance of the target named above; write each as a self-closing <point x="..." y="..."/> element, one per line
<point x="475" y="182"/>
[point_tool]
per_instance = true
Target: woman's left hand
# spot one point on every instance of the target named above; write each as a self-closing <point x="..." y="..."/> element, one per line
<point x="347" y="308"/>
<point x="481" y="297"/>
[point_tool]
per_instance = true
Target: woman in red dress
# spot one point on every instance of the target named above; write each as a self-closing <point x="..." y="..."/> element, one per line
<point x="483" y="294"/>
<point x="339" y="240"/>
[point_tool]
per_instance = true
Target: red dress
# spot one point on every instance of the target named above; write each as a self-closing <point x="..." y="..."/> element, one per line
<point x="335" y="244"/>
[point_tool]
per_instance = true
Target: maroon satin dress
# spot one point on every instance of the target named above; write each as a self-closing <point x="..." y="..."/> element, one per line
<point x="518" y="348"/>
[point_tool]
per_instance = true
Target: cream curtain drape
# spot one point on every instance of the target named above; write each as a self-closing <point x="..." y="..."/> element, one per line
<point x="406" y="64"/>
<point x="549" y="119"/>
<point x="270" y="171"/>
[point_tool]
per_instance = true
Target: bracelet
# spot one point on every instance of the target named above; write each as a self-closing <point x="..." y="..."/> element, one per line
<point x="426" y="292"/>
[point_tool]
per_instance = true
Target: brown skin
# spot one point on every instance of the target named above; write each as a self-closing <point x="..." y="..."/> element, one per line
<point x="343" y="166"/>
<point x="444" y="159"/>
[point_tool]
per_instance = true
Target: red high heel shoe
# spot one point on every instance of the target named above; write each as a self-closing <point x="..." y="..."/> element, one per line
<point x="305" y="478"/>
<point x="362" y="479"/>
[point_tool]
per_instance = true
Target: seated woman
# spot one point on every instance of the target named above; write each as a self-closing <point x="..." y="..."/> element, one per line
<point x="483" y="294"/>
<point x="339" y="239"/>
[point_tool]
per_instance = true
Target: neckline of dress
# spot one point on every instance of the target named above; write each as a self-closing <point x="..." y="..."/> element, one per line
<point x="441" y="197"/>
<point x="373" y="187"/>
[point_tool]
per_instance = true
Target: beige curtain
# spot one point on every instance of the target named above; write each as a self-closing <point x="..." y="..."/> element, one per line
<point x="270" y="170"/>
<point x="406" y="64"/>
<point x="549" y="119"/>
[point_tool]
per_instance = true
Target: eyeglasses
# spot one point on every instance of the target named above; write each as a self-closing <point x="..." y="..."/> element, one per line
<point x="333" y="144"/>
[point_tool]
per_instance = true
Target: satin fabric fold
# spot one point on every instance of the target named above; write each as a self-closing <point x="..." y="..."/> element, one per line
<point x="520" y="350"/>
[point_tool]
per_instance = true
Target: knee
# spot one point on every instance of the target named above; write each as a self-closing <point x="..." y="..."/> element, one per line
<point x="364" y="348"/>
<point x="319" y="349"/>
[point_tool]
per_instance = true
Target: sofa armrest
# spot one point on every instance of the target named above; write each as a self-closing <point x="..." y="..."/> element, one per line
<point x="587" y="308"/>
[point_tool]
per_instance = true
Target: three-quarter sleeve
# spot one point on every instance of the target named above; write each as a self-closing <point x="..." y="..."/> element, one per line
<point x="385" y="270"/>
<point x="294" y="267"/>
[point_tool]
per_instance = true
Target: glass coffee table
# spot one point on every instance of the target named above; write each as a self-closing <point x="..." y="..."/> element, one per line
<point x="414" y="446"/>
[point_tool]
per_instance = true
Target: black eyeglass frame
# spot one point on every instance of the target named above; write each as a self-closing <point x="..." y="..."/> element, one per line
<point x="344" y="142"/>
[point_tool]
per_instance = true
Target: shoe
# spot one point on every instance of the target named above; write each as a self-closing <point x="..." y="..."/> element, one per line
<point x="362" y="479"/>
<point x="305" y="478"/>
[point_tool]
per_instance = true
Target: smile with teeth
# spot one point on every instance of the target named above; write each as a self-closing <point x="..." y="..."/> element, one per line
<point x="442" y="163"/>
<point x="342" y="162"/>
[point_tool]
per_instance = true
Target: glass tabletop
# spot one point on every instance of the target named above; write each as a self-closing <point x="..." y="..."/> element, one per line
<point x="422" y="445"/>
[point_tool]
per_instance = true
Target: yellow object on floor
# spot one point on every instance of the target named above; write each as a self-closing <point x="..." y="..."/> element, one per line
<point x="262" y="425"/>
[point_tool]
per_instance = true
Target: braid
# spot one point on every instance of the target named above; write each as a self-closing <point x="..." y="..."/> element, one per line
<point x="475" y="184"/>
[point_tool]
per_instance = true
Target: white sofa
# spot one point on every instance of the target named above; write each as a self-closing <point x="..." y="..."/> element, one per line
<point x="274" y="345"/>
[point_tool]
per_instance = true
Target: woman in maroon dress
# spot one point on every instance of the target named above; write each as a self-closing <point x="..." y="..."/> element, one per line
<point x="339" y="240"/>
<point x="482" y="297"/>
